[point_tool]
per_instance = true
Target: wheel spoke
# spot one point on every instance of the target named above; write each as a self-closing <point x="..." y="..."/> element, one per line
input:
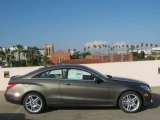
<point x="134" y="105"/>
<point x="28" y="104"/>
<point x="129" y="107"/>
<point x="37" y="99"/>
<point x="31" y="98"/>
<point x="32" y="109"/>
<point x="129" y="97"/>
<point x="134" y="99"/>
<point x="38" y="106"/>
<point x="125" y="102"/>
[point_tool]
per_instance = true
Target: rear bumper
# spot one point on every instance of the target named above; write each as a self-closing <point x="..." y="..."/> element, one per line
<point x="12" y="98"/>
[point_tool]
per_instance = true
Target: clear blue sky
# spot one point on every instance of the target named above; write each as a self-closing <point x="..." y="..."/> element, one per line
<point x="72" y="23"/>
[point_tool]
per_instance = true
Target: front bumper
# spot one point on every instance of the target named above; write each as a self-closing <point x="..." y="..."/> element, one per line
<point x="147" y="99"/>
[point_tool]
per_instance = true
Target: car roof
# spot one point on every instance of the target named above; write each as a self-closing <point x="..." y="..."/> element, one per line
<point x="66" y="65"/>
<point x="54" y="67"/>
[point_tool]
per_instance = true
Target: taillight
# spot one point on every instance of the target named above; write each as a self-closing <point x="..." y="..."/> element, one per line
<point x="10" y="85"/>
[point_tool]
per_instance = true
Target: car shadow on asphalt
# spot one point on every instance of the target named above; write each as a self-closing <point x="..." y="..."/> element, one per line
<point x="12" y="116"/>
<point x="155" y="104"/>
<point x="51" y="109"/>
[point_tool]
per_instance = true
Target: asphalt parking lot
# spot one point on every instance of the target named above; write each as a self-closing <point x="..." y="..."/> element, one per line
<point x="10" y="111"/>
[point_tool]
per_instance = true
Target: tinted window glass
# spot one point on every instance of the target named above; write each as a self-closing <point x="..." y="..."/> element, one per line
<point x="50" y="74"/>
<point x="79" y="75"/>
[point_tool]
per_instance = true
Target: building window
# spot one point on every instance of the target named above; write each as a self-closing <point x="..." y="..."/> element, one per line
<point x="6" y="74"/>
<point x="60" y="60"/>
<point x="49" y="52"/>
<point x="106" y="58"/>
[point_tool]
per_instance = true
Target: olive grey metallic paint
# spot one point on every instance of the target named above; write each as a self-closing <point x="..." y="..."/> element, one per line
<point x="103" y="91"/>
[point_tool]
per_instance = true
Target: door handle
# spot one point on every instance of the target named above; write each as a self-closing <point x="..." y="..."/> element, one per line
<point x="67" y="84"/>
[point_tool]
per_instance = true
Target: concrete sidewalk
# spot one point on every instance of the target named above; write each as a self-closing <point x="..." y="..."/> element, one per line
<point x="9" y="111"/>
<point x="156" y="89"/>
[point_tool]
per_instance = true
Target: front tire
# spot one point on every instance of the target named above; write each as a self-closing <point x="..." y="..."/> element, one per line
<point x="130" y="102"/>
<point x="33" y="103"/>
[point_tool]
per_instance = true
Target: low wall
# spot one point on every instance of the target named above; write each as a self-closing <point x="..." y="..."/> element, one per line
<point x="13" y="72"/>
<point x="148" y="71"/>
<point x="142" y="70"/>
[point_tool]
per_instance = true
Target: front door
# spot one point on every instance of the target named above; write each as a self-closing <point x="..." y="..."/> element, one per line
<point x="79" y="88"/>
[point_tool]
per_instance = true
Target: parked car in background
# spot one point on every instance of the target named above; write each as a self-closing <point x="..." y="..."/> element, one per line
<point x="76" y="85"/>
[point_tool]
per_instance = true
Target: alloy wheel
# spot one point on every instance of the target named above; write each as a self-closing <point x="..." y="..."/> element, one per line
<point x="130" y="102"/>
<point x="33" y="103"/>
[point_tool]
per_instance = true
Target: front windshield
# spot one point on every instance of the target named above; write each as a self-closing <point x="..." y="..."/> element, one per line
<point x="96" y="71"/>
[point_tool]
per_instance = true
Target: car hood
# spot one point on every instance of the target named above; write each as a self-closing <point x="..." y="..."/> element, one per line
<point x="127" y="80"/>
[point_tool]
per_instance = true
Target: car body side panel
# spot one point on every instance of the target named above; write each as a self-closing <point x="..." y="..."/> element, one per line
<point x="49" y="88"/>
<point x="84" y="92"/>
<point x="118" y="88"/>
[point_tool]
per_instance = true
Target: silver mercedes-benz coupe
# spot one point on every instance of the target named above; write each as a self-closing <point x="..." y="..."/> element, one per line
<point x="76" y="85"/>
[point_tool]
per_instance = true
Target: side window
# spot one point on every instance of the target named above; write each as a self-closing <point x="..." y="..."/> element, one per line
<point x="79" y="75"/>
<point x="50" y="74"/>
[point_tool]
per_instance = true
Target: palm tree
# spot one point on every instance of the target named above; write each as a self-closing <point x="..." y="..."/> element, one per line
<point x="69" y="50"/>
<point x="109" y="48"/>
<point x="142" y="45"/>
<point x="123" y="47"/>
<point x="2" y="54"/>
<point x="27" y="54"/>
<point x="137" y="47"/>
<point x="156" y="45"/>
<point x="33" y="56"/>
<point x="46" y="60"/>
<point x="113" y="48"/>
<point x="74" y="49"/>
<point x="19" y="49"/>
<point x="132" y="48"/>
<point x="151" y="45"/>
<point x="94" y="46"/>
<point x="105" y="47"/>
<point x="36" y="56"/>
<point x="119" y="48"/>
<point x="116" y="46"/>
<point x="88" y="47"/>
<point x="127" y="46"/>
<point x="146" y="45"/>
<point x="99" y="48"/>
<point x="8" y="55"/>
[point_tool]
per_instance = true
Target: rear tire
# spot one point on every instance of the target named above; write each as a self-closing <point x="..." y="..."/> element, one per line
<point x="130" y="102"/>
<point x="33" y="103"/>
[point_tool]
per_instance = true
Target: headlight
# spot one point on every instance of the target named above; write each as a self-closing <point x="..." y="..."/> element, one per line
<point x="146" y="88"/>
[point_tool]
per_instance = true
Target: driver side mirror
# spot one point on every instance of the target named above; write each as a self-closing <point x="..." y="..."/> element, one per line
<point x="98" y="80"/>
